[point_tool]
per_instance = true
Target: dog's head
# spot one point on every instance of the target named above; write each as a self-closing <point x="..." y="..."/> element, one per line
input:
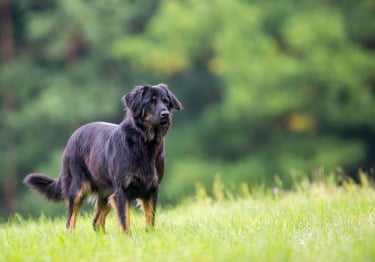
<point x="152" y="104"/>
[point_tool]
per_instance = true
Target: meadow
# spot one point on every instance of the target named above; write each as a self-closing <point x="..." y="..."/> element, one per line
<point x="314" y="222"/>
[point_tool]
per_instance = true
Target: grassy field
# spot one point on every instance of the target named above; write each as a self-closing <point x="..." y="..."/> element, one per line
<point x="315" y="223"/>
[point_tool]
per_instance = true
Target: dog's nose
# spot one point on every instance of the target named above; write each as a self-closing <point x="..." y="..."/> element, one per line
<point x="164" y="114"/>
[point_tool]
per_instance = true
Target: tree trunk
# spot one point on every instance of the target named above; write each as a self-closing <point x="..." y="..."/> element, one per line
<point x="7" y="52"/>
<point x="7" y="46"/>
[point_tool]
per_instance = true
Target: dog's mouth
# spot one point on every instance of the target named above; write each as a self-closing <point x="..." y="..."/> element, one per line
<point x="161" y="122"/>
<point x="158" y="122"/>
<point x="164" y="120"/>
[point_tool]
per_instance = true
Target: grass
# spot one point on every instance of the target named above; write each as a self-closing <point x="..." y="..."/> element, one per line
<point x="317" y="222"/>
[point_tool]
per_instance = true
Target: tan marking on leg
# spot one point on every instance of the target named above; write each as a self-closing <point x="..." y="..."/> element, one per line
<point x="83" y="192"/>
<point x="112" y="201"/>
<point x="73" y="218"/>
<point x="148" y="210"/>
<point x="127" y="217"/>
<point x="102" y="217"/>
<point x="102" y="211"/>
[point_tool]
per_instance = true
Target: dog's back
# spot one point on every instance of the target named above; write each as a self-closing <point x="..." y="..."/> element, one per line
<point x="85" y="155"/>
<point x="84" y="152"/>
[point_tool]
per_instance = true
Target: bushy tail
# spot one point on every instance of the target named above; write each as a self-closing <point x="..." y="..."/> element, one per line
<point x="44" y="185"/>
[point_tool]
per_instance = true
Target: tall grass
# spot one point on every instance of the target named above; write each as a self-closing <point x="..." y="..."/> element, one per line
<point x="317" y="222"/>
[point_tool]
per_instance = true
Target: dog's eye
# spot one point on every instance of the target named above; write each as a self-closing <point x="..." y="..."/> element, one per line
<point x="153" y="99"/>
<point x="165" y="100"/>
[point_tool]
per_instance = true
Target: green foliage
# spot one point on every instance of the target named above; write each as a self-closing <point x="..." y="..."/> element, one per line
<point x="270" y="89"/>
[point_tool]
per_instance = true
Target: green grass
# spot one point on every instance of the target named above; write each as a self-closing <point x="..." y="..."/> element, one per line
<point x="315" y="223"/>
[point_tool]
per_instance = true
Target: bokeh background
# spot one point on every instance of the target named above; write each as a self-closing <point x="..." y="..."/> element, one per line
<point x="274" y="91"/>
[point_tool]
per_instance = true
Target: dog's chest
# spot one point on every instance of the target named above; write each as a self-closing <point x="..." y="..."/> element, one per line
<point x="134" y="165"/>
<point x="142" y="176"/>
<point x="140" y="183"/>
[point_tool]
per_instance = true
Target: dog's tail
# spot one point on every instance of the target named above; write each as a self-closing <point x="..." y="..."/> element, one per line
<point x="49" y="188"/>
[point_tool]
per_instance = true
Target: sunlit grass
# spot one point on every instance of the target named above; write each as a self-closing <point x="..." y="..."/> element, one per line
<point x="318" y="222"/>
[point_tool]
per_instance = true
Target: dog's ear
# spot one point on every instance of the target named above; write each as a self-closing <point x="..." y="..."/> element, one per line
<point x="174" y="101"/>
<point x="133" y="100"/>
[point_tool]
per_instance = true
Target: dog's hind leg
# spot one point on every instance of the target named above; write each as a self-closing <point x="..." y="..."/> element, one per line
<point x="75" y="202"/>
<point x="121" y="206"/>
<point x="74" y="205"/>
<point x="102" y="209"/>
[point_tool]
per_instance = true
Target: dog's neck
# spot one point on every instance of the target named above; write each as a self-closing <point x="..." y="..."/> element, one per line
<point x="148" y="133"/>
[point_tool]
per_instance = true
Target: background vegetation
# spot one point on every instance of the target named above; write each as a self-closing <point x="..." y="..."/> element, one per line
<point x="273" y="90"/>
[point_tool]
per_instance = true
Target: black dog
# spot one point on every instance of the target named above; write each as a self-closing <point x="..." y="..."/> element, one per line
<point x="117" y="163"/>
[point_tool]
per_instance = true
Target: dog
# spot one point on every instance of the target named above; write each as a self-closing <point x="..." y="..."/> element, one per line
<point x="115" y="163"/>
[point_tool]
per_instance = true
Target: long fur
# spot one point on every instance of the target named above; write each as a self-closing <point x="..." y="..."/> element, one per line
<point x="117" y="163"/>
<point x="44" y="185"/>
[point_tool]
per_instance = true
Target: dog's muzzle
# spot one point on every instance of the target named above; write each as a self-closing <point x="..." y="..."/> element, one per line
<point x="164" y="116"/>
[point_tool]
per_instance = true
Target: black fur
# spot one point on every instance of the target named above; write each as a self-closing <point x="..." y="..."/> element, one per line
<point x="117" y="163"/>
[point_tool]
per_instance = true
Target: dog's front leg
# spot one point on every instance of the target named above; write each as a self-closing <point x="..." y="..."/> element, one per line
<point x="149" y="208"/>
<point x="121" y="206"/>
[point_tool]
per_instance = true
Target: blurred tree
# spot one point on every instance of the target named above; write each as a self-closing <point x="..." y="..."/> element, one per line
<point x="270" y="89"/>
<point x="7" y="141"/>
